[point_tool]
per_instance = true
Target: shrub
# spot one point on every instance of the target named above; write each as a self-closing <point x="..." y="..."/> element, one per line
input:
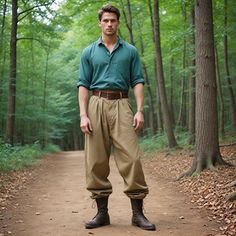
<point x="19" y="157"/>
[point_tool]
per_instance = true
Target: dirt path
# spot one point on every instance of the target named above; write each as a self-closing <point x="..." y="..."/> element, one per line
<point x="56" y="203"/>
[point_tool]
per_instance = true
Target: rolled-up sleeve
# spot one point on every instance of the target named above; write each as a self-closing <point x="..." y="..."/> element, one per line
<point x="85" y="70"/>
<point x="136" y="70"/>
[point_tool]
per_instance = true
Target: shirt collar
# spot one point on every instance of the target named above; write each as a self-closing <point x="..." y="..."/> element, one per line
<point x="119" y="41"/>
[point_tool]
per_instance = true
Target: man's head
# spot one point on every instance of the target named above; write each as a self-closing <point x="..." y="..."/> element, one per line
<point x="109" y="9"/>
<point x="109" y="20"/>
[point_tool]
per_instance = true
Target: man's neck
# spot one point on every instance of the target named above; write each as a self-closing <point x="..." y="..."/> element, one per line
<point x="109" y="40"/>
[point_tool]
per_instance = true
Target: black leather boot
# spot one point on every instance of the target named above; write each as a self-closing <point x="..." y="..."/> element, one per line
<point x="102" y="217"/>
<point x="139" y="218"/>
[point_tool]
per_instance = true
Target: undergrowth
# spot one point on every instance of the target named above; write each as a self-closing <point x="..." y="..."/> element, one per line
<point x="19" y="157"/>
<point x="159" y="142"/>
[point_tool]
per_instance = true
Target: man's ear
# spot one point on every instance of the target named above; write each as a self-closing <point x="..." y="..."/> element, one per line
<point x="99" y="23"/>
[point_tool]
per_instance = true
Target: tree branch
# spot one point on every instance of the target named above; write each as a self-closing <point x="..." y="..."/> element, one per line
<point x="18" y="20"/>
<point x="32" y="8"/>
<point x="124" y="14"/>
<point x="35" y="39"/>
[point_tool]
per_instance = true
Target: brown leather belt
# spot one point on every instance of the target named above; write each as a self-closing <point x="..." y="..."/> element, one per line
<point x="110" y="95"/>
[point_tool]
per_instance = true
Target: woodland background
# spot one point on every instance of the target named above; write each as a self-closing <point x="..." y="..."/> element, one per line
<point x="49" y="38"/>
<point x="187" y="49"/>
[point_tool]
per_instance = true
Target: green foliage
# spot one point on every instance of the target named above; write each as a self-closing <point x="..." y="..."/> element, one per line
<point x="152" y="143"/>
<point x="49" y="46"/>
<point x="51" y="148"/>
<point x="19" y="157"/>
<point x="159" y="142"/>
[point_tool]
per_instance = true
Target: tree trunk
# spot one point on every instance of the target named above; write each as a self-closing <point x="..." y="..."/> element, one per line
<point x="160" y="79"/>
<point x="192" y="94"/>
<point x="128" y="20"/>
<point x="45" y="132"/>
<point x="228" y="78"/>
<point x="12" y="79"/>
<point x="2" y="62"/>
<point x="2" y="41"/>
<point x="171" y="97"/>
<point x="220" y="95"/>
<point x="23" y="125"/>
<point x="182" y="110"/>
<point x="150" y="99"/>
<point x="158" y="103"/>
<point x="207" y="153"/>
<point x="2" y="45"/>
<point x="75" y="137"/>
<point x="148" y="86"/>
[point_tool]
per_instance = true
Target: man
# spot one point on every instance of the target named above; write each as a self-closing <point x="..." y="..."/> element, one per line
<point x="109" y="67"/>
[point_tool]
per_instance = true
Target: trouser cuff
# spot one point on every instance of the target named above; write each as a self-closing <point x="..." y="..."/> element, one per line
<point x="137" y="195"/>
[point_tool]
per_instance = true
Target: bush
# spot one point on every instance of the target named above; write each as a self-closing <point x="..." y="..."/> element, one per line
<point x="19" y="157"/>
<point x="159" y="142"/>
<point x="153" y="143"/>
<point x="52" y="148"/>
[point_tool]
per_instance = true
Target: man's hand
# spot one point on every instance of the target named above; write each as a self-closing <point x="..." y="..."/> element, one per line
<point x="85" y="125"/>
<point x="138" y="121"/>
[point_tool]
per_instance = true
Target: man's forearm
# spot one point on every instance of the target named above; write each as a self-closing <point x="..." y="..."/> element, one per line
<point x="139" y="96"/>
<point x="83" y="97"/>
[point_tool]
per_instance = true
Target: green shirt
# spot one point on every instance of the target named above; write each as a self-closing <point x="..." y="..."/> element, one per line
<point x="100" y="69"/>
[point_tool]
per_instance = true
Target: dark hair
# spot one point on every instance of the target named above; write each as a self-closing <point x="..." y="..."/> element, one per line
<point x="108" y="8"/>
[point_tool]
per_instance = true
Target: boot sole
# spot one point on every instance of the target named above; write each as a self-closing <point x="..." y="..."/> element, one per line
<point x="144" y="228"/>
<point x="96" y="226"/>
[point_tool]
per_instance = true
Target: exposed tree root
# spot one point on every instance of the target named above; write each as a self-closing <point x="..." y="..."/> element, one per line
<point x="231" y="184"/>
<point x="227" y="145"/>
<point x="231" y="196"/>
<point x="221" y="161"/>
<point x="188" y="173"/>
<point x="209" y="163"/>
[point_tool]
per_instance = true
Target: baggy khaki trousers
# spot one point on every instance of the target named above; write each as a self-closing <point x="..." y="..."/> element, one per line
<point x="112" y="123"/>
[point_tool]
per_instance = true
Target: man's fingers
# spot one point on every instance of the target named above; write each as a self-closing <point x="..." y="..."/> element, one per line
<point x="139" y="125"/>
<point x="87" y="129"/>
<point x="90" y="127"/>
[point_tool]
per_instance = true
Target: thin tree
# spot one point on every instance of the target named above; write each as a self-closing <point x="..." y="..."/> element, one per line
<point x="160" y="79"/>
<point x="12" y="79"/>
<point x="148" y="86"/>
<point x="171" y="93"/>
<point x="182" y="110"/>
<point x="2" y="60"/>
<point x="158" y="103"/>
<point x="11" y="108"/>
<point x="220" y="96"/>
<point x="226" y="63"/>
<point x="129" y="25"/>
<point x="128" y="19"/>
<point x="207" y="153"/>
<point x="45" y="84"/>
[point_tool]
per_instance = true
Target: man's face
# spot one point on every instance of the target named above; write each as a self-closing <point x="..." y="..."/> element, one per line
<point x="109" y="23"/>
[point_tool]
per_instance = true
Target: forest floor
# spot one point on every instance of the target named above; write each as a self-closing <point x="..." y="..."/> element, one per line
<point x="51" y="199"/>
